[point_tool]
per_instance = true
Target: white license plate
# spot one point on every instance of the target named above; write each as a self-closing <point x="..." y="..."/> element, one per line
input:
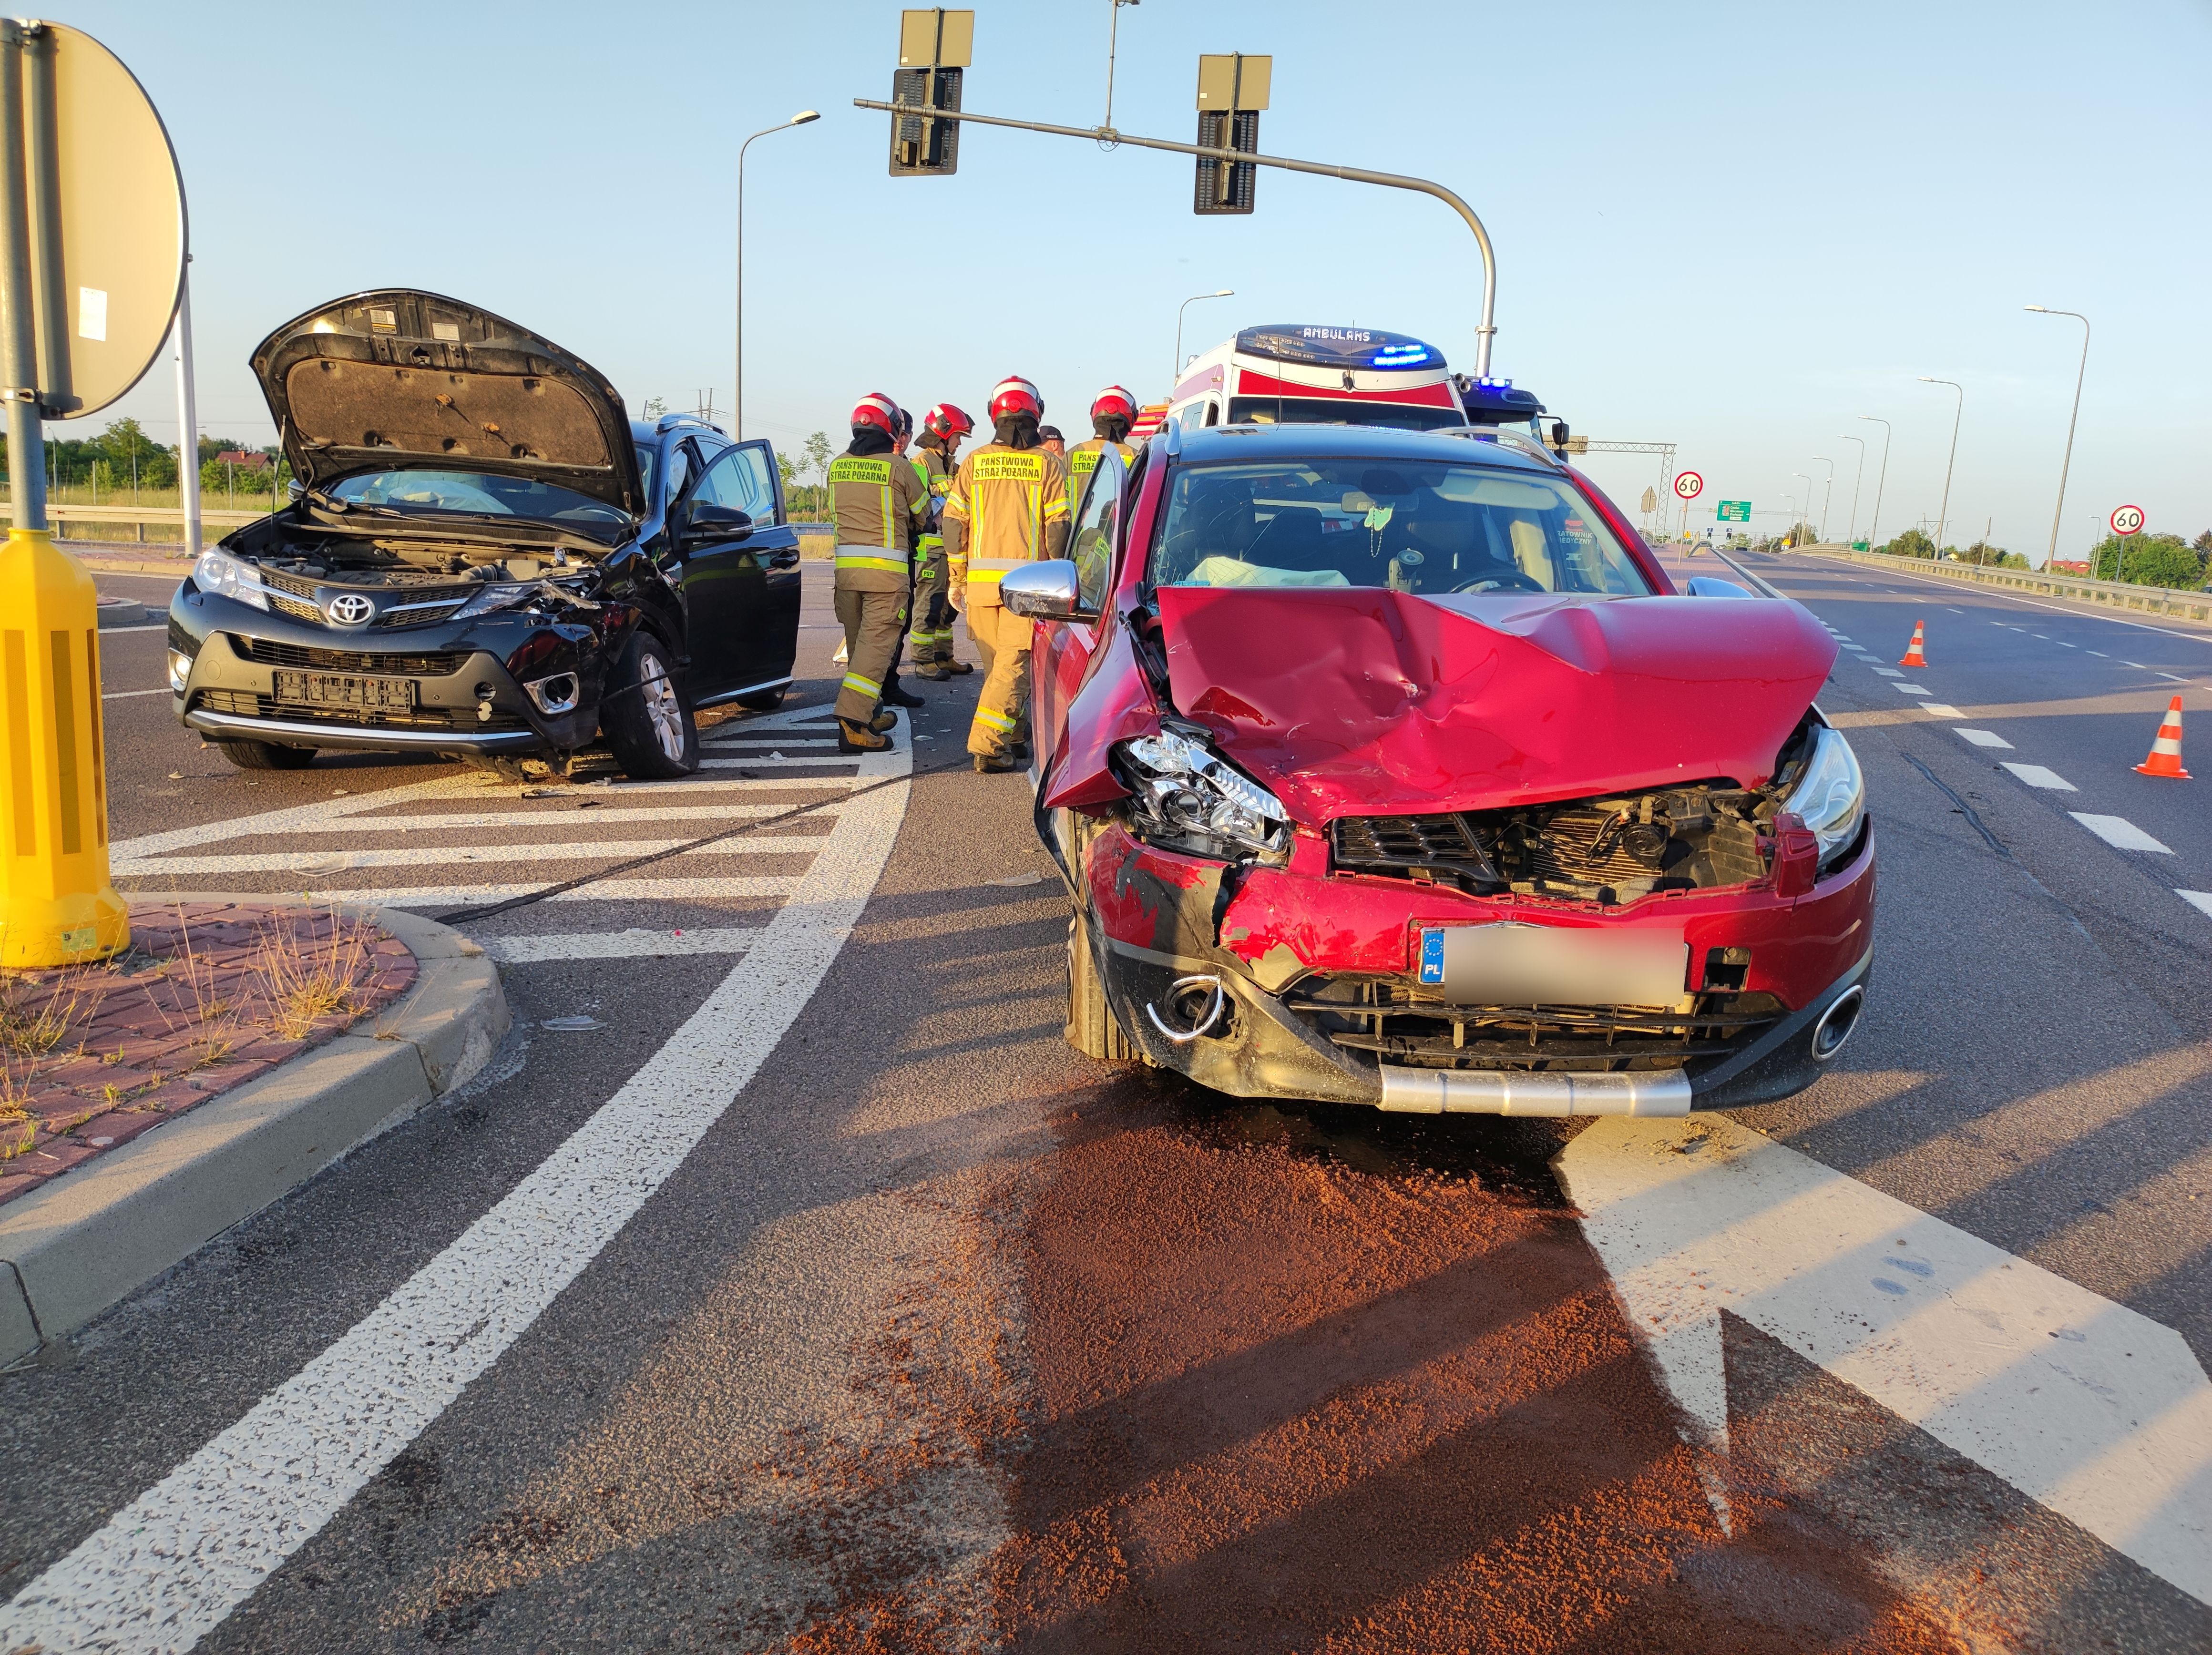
<point x="1518" y="965"/>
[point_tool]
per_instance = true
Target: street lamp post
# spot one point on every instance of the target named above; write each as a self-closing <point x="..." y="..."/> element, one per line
<point x="1807" y="478"/>
<point x="737" y="396"/>
<point x="1874" y="529"/>
<point x="1851" y="534"/>
<point x="1827" y="489"/>
<point x="1943" y="514"/>
<point x="2067" y="463"/>
<point x="1226" y="292"/>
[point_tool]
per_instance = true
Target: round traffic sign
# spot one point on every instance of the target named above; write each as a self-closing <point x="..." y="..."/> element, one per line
<point x="2128" y="520"/>
<point x="123" y="224"/>
<point x="1689" y="485"/>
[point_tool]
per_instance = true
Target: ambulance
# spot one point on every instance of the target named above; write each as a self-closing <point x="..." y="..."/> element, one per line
<point x="1292" y="374"/>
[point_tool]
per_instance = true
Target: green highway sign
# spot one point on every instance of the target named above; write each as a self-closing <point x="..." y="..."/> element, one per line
<point x="1735" y="511"/>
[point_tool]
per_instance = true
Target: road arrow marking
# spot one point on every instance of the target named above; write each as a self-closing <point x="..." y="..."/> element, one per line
<point x="2099" y="1412"/>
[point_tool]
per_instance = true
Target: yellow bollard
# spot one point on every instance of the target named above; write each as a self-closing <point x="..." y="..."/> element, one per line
<point x="57" y="902"/>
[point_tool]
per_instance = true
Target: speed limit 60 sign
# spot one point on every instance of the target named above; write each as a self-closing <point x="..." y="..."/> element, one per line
<point x="2128" y="520"/>
<point x="1689" y="485"/>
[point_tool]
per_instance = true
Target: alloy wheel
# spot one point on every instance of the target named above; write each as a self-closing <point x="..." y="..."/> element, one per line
<point x="661" y="706"/>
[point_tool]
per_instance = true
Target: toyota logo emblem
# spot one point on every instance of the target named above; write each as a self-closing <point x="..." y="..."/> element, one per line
<point x="349" y="610"/>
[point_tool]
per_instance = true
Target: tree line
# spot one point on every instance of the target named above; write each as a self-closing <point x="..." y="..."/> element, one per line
<point x="122" y="458"/>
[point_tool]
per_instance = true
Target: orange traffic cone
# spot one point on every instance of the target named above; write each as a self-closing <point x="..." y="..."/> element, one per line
<point x="1913" y="657"/>
<point x="2165" y="758"/>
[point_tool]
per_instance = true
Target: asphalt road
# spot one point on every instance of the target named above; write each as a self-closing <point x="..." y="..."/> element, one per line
<point x="792" y="1285"/>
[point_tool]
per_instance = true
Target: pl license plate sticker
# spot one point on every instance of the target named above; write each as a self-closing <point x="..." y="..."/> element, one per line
<point x="1432" y="958"/>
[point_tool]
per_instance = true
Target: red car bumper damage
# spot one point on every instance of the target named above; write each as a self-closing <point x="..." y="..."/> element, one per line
<point x="1288" y="945"/>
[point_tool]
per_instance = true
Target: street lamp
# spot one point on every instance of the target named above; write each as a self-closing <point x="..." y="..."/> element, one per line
<point x="1874" y="529"/>
<point x="1828" y="488"/>
<point x="1226" y="292"/>
<point x="1807" y="478"/>
<point x="737" y="395"/>
<point x="1851" y="534"/>
<point x="2067" y="463"/>
<point x="1943" y="514"/>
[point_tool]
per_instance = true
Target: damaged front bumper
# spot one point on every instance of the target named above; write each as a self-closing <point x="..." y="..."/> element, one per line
<point x="1267" y="983"/>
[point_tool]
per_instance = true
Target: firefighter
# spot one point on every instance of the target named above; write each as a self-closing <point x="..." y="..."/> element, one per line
<point x="894" y="693"/>
<point x="942" y="429"/>
<point x="1112" y="411"/>
<point x="1007" y="507"/>
<point x="876" y="504"/>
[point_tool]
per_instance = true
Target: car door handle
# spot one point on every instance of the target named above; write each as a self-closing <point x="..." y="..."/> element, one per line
<point x="784" y="560"/>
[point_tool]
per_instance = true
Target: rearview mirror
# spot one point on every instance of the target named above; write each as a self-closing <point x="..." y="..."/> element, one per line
<point x="1045" y="591"/>
<point x="707" y="526"/>
<point x="1704" y="586"/>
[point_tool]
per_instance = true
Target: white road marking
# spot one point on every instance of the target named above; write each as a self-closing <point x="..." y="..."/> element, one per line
<point x="110" y="632"/>
<point x="169" y="1567"/>
<point x="771" y="741"/>
<point x="1942" y="709"/>
<point x="2198" y="900"/>
<point x="772" y="764"/>
<point x="2100" y="655"/>
<point x="524" y="852"/>
<point x="1986" y="738"/>
<point x="2119" y="833"/>
<point x="2138" y="666"/>
<point x="636" y="944"/>
<point x="1889" y="672"/>
<point x="2063" y="644"/>
<point x="1914" y="689"/>
<point x="2039" y="636"/>
<point x="2099" y="1412"/>
<point x="598" y="890"/>
<point x="566" y="814"/>
<point x="2036" y="776"/>
<point x="127" y="695"/>
<point x="2171" y="679"/>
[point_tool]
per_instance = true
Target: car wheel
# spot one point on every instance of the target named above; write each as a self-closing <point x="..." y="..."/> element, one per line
<point x="646" y="715"/>
<point x="267" y="756"/>
<point x="766" y="701"/>
<point x="1092" y="1027"/>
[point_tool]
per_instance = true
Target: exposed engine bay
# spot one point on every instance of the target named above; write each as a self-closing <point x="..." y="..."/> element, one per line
<point x="1607" y="849"/>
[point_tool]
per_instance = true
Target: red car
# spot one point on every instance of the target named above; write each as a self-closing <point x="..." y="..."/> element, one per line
<point x="1387" y="768"/>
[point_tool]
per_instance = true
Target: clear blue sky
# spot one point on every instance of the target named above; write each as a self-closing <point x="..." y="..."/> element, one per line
<point x="1730" y="226"/>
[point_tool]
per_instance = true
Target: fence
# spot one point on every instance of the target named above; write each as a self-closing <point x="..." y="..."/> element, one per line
<point x="2110" y="594"/>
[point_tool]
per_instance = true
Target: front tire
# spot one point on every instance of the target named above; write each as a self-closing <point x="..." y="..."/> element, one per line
<point x="266" y="756"/>
<point x="647" y="716"/>
<point x="1092" y="1027"/>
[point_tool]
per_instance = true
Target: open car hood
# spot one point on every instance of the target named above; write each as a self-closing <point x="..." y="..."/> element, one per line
<point x="1373" y="702"/>
<point x="394" y="378"/>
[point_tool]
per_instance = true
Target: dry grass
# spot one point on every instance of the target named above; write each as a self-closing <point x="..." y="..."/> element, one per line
<point x="304" y="981"/>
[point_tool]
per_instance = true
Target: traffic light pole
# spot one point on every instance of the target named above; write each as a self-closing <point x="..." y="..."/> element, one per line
<point x="1107" y="134"/>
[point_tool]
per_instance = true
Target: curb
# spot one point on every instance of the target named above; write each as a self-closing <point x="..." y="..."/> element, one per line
<point x="101" y="1231"/>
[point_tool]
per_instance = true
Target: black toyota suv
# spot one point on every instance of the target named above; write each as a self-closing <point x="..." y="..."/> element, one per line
<point x="485" y="558"/>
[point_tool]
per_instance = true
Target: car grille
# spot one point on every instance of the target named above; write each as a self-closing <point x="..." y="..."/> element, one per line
<point x="242" y="703"/>
<point x="1440" y="847"/>
<point x="1698" y="836"/>
<point x="412" y="617"/>
<point x="269" y="652"/>
<point x="298" y="609"/>
<point x="1394" y="1022"/>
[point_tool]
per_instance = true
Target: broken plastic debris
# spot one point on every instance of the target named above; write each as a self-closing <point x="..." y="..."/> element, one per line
<point x="1019" y="879"/>
<point x="571" y="1024"/>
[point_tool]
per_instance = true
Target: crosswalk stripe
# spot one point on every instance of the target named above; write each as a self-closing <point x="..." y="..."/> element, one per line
<point x="636" y="944"/>
<point x="2119" y="833"/>
<point x="599" y="890"/>
<point x="434" y="855"/>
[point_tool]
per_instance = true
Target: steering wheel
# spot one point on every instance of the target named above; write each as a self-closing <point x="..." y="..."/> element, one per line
<point x="1507" y="581"/>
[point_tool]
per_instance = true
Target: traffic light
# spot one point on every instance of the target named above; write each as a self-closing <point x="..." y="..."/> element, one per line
<point x="934" y="47"/>
<point x="1232" y="90"/>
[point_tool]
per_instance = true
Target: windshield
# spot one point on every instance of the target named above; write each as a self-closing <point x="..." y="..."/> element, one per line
<point x="474" y="493"/>
<point x="1336" y="410"/>
<point x="1414" y="527"/>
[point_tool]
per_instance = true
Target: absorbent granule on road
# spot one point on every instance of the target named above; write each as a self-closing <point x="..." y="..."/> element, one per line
<point x="1284" y="1404"/>
<point x="209" y="996"/>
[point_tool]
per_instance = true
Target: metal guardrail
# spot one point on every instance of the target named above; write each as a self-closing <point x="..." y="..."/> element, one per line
<point x="2111" y="594"/>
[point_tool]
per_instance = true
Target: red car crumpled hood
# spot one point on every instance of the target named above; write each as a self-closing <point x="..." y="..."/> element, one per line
<point x="1354" y="702"/>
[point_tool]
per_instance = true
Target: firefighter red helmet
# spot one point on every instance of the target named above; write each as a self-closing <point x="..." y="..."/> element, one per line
<point x="1114" y="400"/>
<point x="1015" y="395"/>
<point x="878" y="410"/>
<point x="947" y="421"/>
